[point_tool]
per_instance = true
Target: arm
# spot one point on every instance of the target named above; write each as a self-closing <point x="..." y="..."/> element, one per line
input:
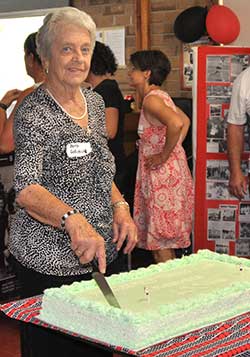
<point x="3" y="118"/>
<point x="7" y="138"/>
<point x="123" y="225"/>
<point x="186" y="124"/>
<point x="235" y="142"/>
<point x="48" y="209"/>
<point x="112" y="118"/>
<point x="7" y="99"/>
<point x="156" y="108"/>
<point x="235" y="134"/>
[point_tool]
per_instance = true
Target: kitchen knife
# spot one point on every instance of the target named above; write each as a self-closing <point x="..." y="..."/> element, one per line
<point x="105" y="289"/>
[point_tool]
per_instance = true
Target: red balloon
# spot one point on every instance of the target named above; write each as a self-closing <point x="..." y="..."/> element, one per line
<point x="222" y="24"/>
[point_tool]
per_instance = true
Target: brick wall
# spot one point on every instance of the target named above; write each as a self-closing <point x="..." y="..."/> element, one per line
<point x="163" y="13"/>
<point x="162" y="18"/>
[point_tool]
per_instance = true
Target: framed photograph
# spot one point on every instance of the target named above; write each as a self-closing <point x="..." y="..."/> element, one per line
<point x="187" y="61"/>
<point x="186" y="66"/>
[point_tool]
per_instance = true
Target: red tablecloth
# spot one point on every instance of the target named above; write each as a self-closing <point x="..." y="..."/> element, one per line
<point x="228" y="338"/>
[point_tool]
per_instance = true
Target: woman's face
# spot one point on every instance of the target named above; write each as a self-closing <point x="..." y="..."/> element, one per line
<point x="70" y="56"/>
<point x="28" y="60"/>
<point x="136" y="76"/>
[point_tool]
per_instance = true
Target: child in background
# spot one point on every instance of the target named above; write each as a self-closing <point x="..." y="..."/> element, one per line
<point x="164" y="198"/>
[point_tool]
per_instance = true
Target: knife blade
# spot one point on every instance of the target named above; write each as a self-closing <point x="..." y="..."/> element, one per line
<point x="105" y="289"/>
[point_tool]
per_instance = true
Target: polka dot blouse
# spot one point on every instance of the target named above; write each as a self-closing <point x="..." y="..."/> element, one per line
<point x="43" y="135"/>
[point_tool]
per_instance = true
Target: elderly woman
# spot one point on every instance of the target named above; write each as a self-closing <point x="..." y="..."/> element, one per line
<point x="71" y="212"/>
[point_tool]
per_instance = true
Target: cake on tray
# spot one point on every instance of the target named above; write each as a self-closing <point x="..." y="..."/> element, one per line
<point x="157" y="303"/>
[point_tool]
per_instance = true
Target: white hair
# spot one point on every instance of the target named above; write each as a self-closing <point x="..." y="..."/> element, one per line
<point x="63" y="15"/>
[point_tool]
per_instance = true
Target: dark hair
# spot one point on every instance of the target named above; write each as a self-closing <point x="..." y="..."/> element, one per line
<point x="153" y="60"/>
<point x="30" y="46"/>
<point x="103" y="60"/>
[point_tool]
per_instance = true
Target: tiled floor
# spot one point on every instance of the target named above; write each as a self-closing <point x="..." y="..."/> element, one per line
<point x="9" y="337"/>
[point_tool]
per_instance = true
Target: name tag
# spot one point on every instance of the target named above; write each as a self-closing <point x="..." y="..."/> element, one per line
<point x="140" y="129"/>
<point x="78" y="149"/>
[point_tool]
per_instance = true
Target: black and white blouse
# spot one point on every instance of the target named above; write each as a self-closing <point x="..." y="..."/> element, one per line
<point x="45" y="139"/>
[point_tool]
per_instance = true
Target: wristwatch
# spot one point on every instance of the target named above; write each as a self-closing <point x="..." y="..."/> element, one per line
<point x="3" y="106"/>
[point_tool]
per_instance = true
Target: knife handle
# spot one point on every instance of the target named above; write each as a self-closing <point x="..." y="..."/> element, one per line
<point x="94" y="264"/>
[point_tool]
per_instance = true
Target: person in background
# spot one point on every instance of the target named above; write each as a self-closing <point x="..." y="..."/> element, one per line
<point x="71" y="216"/>
<point x="34" y="69"/>
<point x="164" y="198"/>
<point x="102" y="69"/>
<point x="237" y="118"/>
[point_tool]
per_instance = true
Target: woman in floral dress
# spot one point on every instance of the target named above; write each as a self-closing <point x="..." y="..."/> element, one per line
<point x="164" y="198"/>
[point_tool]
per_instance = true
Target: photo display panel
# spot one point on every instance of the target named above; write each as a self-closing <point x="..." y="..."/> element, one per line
<point x="222" y="222"/>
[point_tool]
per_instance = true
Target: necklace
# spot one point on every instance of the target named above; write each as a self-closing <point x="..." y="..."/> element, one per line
<point x="65" y="111"/>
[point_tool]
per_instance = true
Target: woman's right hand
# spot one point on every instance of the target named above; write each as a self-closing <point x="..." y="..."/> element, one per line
<point x="85" y="241"/>
<point x="155" y="161"/>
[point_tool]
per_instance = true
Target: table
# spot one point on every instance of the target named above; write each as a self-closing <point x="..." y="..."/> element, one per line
<point x="228" y="338"/>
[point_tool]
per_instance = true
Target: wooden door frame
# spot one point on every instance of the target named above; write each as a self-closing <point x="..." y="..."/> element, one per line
<point x="142" y="24"/>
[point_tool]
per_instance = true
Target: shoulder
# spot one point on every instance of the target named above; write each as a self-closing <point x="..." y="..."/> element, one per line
<point x="34" y="107"/>
<point x="29" y="116"/>
<point x="112" y="83"/>
<point x="28" y="99"/>
<point x="92" y="96"/>
<point x="25" y="92"/>
<point x="153" y="104"/>
<point x="95" y="102"/>
<point x="243" y="78"/>
<point x="246" y="73"/>
<point x="157" y="93"/>
<point x="109" y="83"/>
<point x="107" y="87"/>
<point x="241" y="89"/>
<point x="111" y="93"/>
<point x="157" y="97"/>
<point x="21" y="97"/>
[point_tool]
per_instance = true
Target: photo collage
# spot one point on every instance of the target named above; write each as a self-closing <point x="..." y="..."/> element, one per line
<point x="226" y="222"/>
<point x="221" y="72"/>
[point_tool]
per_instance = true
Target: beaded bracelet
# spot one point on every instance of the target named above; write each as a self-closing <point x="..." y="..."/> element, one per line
<point x="66" y="215"/>
<point x="119" y="204"/>
<point x="3" y="106"/>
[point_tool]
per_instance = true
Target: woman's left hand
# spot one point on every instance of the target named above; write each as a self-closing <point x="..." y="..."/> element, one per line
<point x="124" y="229"/>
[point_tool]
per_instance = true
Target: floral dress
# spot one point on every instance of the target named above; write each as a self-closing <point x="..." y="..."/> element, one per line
<point x="164" y="197"/>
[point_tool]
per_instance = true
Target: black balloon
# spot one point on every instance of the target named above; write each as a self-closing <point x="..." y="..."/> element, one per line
<point x="190" y="24"/>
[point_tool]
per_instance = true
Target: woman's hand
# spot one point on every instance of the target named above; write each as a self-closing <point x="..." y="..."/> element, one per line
<point x="153" y="161"/>
<point x="85" y="241"/>
<point x="124" y="229"/>
<point x="10" y="96"/>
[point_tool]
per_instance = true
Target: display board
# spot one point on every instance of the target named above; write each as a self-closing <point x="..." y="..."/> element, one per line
<point x="222" y="222"/>
<point x="114" y="37"/>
